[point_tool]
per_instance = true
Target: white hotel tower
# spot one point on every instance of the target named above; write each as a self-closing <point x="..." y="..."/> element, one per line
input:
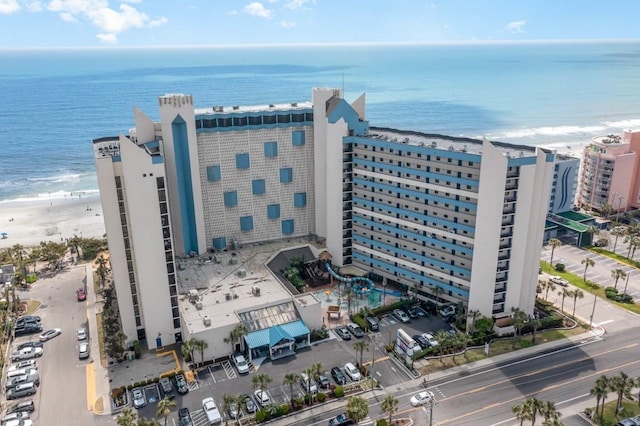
<point x="449" y="219"/>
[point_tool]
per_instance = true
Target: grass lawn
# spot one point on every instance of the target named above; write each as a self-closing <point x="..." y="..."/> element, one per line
<point x="629" y="409"/>
<point x="32" y="306"/>
<point x="103" y="356"/>
<point x="589" y="286"/>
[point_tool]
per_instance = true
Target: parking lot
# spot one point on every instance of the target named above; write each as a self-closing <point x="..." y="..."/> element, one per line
<point x="223" y="379"/>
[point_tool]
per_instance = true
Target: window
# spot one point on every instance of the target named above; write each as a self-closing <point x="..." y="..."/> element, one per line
<point x="271" y="149"/>
<point x="286" y="175"/>
<point x="273" y="211"/>
<point x="246" y="223"/>
<point x="242" y="161"/>
<point x="213" y="174"/>
<point x="287" y="227"/>
<point x="258" y="186"/>
<point x="297" y="138"/>
<point x="231" y="199"/>
<point x="300" y="199"/>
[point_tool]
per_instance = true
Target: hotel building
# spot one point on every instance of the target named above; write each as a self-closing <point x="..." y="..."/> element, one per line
<point x="448" y="219"/>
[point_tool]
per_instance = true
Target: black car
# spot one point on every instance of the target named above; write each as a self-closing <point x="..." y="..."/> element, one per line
<point x="27" y="329"/>
<point x="181" y="384"/>
<point x="340" y="420"/>
<point x="338" y="376"/>
<point x="24" y="406"/>
<point x="343" y="333"/>
<point x="184" y="417"/>
<point x="414" y="312"/>
<point x="424" y="343"/>
<point x="355" y="330"/>
<point x="167" y="389"/>
<point x="323" y="381"/>
<point x="34" y="344"/>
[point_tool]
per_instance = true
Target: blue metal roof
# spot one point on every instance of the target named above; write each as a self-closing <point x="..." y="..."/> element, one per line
<point x="288" y="331"/>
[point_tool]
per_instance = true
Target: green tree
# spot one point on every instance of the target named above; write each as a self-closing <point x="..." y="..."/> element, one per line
<point x="360" y="346"/>
<point x="599" y="390"/>
<point x="548" y="286"/>
<point x="622" y="386"/>
<point x="587" y="262"/>
<point x="357" y="409"/>
<point x="127" y="417"/>
<point x="549" y="413"/>
<point x="102" y="269"/>
<point x="533" y="406"/>
<point x="484" y="327"/>
<point x="634" y="242"/>
<point x="261" y="381"/>
<point x="576" y="294"/>
<point x="521" y="412"/>
<point x="200" y="346"/>
<point x="553" y="243"/>
<point x="164" y="408"/>
<point x="617" y="233"/>
<point x="390" y="406"/>
<point x="236" y="335"/>
<point x="617" y="274"/>
<point x="186" y="349"/>
<point x="147" y="422"/>
<point x="565" y="292"/>
<point x="291" y="379"/>
<point x="535" y="322"/>
<point x="227" y="402"/>
<point x="444" y="340"/>
<point x="316" y="370"/>
<point x="473" y="316"/>
<point x="519" y="318"/>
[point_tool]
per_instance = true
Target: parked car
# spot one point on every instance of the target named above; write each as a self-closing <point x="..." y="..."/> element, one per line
<point x="83" y="351"/>
<point x="26" y="353"/>
<point x="448" y="311"/>
<point x="323" y="381"/>
<point x="420" y="340"/>
<point x="25" y="406"/>
<point x="241" y="363"/>
<point x="338" y="376"/>
<point x="415" y="312"/>
<point x="20" y="380"/>
<point x="352" y="372"/>
<point x="421" y="398"/>
<point x="34" y="319"/>
<point x="430" y="339"/>
<point x="181" y="384"/>
<point x="23" y="390"/>
<point x="401" y="315"/>
<point x="33" y="344"/>
<point x="50" y="334"/>
<point x="184" y="417"/>
<point x="373" y="323"/>
<point x="262" y="397"/>
<point x="82" y="334"/>
<point x="343" y="332"/>
<point x="138" y="397"/>
<point x="355" y="330"/>
<point x="14" y="417"/>
<point x="559" y="280"/>
<point x="234" y="411"/>
<point x="249" y="404"/>
<point x="340" y="420"/>
<point x="16" y="373"/>
<point x="211" y="411"/>
<point x="167" y="389"/>
<point x="308" y="384"/>
<point x="29" y="363"/>
<point x="81" y="295"/>
<point x="25" y="422"/>
<point x="27" y="329"/>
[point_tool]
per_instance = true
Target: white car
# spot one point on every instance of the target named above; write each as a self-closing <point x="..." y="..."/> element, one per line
<point x="401" y="315"/>
<point x="20" y="415"/>
<point x="241" y="363"/>
<point x="448" y="311"/>
<point x="211" y="411"/>
<point x="50" y="334"/>
<point x="558" y="280"/>
<point x="26" y="353"/>
<point x="430" y="339"/>
<point x="82" y="334"/>
<point x="83" y="351"/>
<point x="352" y="372"/>
<point x="30" y="363"/>
<point x="25" y="422"/>
<point x="139" y="400"/>
<point x="421" y="398"/>
<point x="262" y="398"/>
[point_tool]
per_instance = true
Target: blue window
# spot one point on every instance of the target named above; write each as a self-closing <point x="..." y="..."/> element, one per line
<point x="273" y="211"/>
<point x="287" y="227"/>
<point x="300" y="199"/>
<point x="297" y="138"/>
<point x="246" y="223"/>
<point x="242" y="161"/>
<point x="231" y="198"/>
<point x="213" y="174"/>
<point x="286" y="175"/>
<point x="219" y="243"/>
<point x="271" y="149"/>
<point x="257" y="186"/>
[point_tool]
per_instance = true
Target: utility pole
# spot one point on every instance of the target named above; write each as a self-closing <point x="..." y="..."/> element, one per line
<point x="593" y="311"/>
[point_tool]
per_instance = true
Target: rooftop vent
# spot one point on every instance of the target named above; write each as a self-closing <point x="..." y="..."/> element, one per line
<point x="241" y="273"/>
<point x="206" y="321"/>
<point x="193" y="296"/>
<point x="255" y="290"/>
<point x="199" y="305"/>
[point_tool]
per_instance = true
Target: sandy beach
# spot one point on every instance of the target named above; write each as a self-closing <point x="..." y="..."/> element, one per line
<point x="30" y="222"/>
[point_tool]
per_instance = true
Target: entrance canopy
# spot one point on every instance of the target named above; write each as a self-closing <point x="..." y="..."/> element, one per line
<point x="273" y="335"/>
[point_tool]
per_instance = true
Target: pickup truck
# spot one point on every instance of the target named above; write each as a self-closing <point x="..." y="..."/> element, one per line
<point x="26" y="353"/>
<point x="211" y="411"/>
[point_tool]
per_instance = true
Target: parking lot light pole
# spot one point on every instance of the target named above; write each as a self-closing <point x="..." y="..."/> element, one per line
<point x="593" y="311"/>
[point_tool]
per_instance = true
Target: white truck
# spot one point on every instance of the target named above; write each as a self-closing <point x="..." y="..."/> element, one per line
<point x="26" y="353"/>
<point x="211" y="411"/>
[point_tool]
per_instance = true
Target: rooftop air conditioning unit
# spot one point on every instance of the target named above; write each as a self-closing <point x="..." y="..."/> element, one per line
<point x="206" y="321"/>
<point x="255" y="290"/>
<point x="227" y="296"/>
<point x="199" y="305"/>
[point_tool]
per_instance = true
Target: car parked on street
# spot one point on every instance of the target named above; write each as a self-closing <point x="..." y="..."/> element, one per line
<point x="14" y="417"/>
<point x="338" y="376"/>
<point x="83" y="351"/>
<point x="20" y="380"/>
<point x="26" y="353"/>
<point x="355" y="330"/>
<point x="50" y="334"/>
<point x="401" y="315"/>
<point x="421" y="398"/>
<point x="81" y="334"/>
<point x="341" y="420"/>
<point x="343" y="332"/>
<point x="27" y="329"/>
<point x="352" y="372"/>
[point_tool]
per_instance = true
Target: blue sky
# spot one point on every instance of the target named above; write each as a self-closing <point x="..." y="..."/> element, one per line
<point x="94" y="23"/>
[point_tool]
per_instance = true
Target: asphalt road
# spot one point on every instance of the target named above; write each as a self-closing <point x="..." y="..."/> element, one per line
<point x="62" y="396"/>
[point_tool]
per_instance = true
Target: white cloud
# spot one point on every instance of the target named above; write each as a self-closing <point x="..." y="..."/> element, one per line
<point x="232" y="12"/>
<point x="287" y="24"/>
<point x="257" y="9"/>
<point x="68" y="17"/>
<point x="296" y="4"/>
<point x="107" y="38"/>
<point x="34" y="6"/>
<point x="515" y="27"/>
<point x="7" y="7"/>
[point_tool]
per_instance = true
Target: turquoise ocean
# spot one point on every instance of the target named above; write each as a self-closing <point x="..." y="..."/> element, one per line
<point x="54" y="102"/>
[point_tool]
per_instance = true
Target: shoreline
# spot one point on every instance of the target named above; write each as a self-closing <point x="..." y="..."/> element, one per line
<point x="29" y="222"/>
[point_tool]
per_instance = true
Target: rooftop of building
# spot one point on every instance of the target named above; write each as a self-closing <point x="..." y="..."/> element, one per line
<point x="235" y="109"/>
<point x="216" y="288"/>
<point x="451" y="143"/>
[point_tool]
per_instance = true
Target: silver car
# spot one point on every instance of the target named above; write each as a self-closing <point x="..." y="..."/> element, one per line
<point x="139" y="400"/>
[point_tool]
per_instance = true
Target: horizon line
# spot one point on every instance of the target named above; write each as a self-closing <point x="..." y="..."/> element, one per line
<point x="328" y="44"/>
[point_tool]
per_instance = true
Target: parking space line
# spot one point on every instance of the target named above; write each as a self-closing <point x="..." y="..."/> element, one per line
<point x="229" y="370"/>
<point x="211" y="374"/>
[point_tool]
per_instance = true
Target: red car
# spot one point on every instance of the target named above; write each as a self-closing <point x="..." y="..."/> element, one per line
<point x="82" y="296"/>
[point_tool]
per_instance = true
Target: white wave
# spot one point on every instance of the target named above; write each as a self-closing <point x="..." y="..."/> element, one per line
<point x="70" y="177"/>
<point x="58" y="195"/>
<point x="624" y="124"/>
<point x="549" y="131"/>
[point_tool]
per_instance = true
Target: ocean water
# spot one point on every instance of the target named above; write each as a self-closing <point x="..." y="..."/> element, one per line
<point x="53" y="103"/>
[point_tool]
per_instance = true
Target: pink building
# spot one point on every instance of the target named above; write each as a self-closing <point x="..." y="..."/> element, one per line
<point x="611" y="173"/>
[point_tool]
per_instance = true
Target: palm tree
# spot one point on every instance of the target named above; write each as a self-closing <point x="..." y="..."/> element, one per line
<point x="520" y="318"/>
<point x="473" y="315"/>
<point x="536" y="323"/>
<point x="616" y="274"/>
<point x="102" y="269"/>
<point x="437" y="291"/>
<point x="365" y="312"/>
<point x="564" y="293"/>
<point x="549" y="412"/>
<point x="316" y="371"/>
<point x="599" y="390"/>
<point x="236" y="335"/>
<point x="389" y="405"/>
<point x="357" y="409"/>
<point x="186" y="349"/>
<point x="164" y="408"/>
<point x="443" y="339"/>
<point x="576" y="294"/>
<point x="533" y="407"/>
<point x="147" y="422"/>
<point x="550" y="286"/>
<point x="261" y="381"/>
<point x="633" y="242"/>
<point x="201" y="346"/>
<point x="616" y="232"/>
<point x="291" y="379"/>
<point x="553" y="243"/>
<point x="622" y="385"/>
<point x="227" y="402"/>
<point x="521" y="412"/>
<point x="360" y="346"/>
<point x="127" y="417"/>
<point x="586" y="262"/>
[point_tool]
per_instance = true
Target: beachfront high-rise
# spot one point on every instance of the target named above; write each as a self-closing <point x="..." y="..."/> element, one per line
<point x="444" y="218"/>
